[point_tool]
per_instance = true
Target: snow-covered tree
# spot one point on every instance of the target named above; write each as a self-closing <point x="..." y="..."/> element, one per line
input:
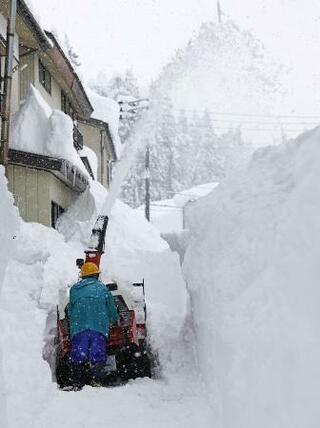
<point x="121" y="88"/>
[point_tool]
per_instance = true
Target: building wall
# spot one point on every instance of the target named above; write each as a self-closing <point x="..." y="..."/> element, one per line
<point x="33" y="191"/>
<point x="15" y="100"/>
<point x="53" y="99"/>
<point x="26" y="74"/>
<point x="92" y="139"/>
<point x="30" y="75"/>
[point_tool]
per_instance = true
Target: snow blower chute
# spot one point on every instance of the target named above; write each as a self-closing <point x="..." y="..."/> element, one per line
<point x="129" y="357"/>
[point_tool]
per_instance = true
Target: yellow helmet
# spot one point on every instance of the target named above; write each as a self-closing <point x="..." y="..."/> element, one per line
<point x="89" y="269"/>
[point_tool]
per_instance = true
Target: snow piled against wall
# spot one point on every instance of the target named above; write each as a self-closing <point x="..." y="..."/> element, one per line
<point x="253" y="272"/>
<point x="9" y="226"/>
<point x="36" y="128"/>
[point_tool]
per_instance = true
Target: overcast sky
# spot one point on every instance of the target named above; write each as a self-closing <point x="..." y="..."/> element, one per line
<point x="113" y="35"/>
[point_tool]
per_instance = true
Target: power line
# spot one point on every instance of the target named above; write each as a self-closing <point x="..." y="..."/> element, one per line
<point x="166" y="206"/>
<point x="285" y="116"/>
<point x="265" y="123"/>
<point x="277" y="129"/>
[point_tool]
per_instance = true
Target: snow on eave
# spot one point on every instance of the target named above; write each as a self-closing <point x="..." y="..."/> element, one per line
<point x="100" y="124"/>
<point x="108" y="111"/>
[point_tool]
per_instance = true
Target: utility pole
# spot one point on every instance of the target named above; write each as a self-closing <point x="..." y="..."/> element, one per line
<point x="219" y="12"/>
<point x="147" y="183"/>
<point x="6" y="98"/>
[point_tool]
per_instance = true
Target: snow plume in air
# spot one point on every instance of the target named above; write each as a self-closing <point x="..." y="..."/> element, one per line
<point x="253" y="274"/>
<point x="225" y="70"/>
<point x="143" y="133"/>
<point x="199" y="137"/>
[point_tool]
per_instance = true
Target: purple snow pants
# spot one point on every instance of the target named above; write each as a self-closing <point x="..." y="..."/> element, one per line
<point x="88" y="347"/>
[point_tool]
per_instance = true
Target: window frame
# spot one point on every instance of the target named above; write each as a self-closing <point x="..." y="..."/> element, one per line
<point x="56" y="211"/>
<point x="45" y="77"/>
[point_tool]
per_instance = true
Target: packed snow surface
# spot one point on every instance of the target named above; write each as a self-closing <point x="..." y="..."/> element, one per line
<point x="36" y="128"/>
<point x="253" y="272"/>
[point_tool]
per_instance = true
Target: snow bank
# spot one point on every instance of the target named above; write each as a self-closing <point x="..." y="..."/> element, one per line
<point x="36" y="128"/>
<point x="108" y="111"/>
<point x="253" y="272"/>
<point x="135" y="251"/>
<point x="9" y="226"/>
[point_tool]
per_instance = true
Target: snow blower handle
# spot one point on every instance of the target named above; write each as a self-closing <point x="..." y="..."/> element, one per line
<point x="96" y="243"/>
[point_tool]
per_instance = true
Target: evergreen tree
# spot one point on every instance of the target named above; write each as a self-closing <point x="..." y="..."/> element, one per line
<point x="210" y="166"/>
<point x="185" y="151"/>
<point x="163" y="154"/>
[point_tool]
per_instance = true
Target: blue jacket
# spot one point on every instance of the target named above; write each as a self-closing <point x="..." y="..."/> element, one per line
<point x="92" y="307"/>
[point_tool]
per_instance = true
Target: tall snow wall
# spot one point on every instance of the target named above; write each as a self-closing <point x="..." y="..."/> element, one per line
<point x="9" y="225"/>
<point x="253" y="272"/>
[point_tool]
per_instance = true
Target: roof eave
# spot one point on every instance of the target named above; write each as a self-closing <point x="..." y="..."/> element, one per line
<point x="102" y="125"/>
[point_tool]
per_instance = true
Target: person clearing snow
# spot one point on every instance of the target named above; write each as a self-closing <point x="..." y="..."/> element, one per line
<point x="92" y="310"/>
<point x="96" y="320"/>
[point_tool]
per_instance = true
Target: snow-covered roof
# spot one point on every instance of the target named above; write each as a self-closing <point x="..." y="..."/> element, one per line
<point x="36" y="128"/>
<point x="196" y="192"/>
<point x="167" y="214"/>
<point x="108" y="111"/>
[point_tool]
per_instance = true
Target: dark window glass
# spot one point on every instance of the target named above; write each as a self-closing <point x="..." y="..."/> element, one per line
<point x="44" y="77"/>
<point x="56" y="212"/>
<point x="64" y="102"/>
<point x="66" y="106"/>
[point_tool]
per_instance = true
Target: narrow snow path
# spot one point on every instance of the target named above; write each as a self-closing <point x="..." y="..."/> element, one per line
<point x="141" y="403"/>
<point x="42" y="264"/>
<point x="34" y="401"/>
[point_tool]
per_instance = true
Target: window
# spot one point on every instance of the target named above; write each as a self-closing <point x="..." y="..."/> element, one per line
<point x="26" y="74"/>
<point x="44" y="77"/>
<point x="66" y="105"/>
<point x="56" y="212"/>
<point x="64" y="102"/>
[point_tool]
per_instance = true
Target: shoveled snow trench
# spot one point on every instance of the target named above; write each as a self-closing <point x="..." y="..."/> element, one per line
<point x="43" y="262"/>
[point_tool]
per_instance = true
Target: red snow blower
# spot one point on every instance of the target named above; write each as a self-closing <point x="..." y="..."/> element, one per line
<point x="129" y="356"/>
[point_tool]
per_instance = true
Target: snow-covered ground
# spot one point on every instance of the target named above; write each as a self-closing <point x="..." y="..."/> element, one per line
<point x="44" y="263"/>
<point x="253" y="272"/>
